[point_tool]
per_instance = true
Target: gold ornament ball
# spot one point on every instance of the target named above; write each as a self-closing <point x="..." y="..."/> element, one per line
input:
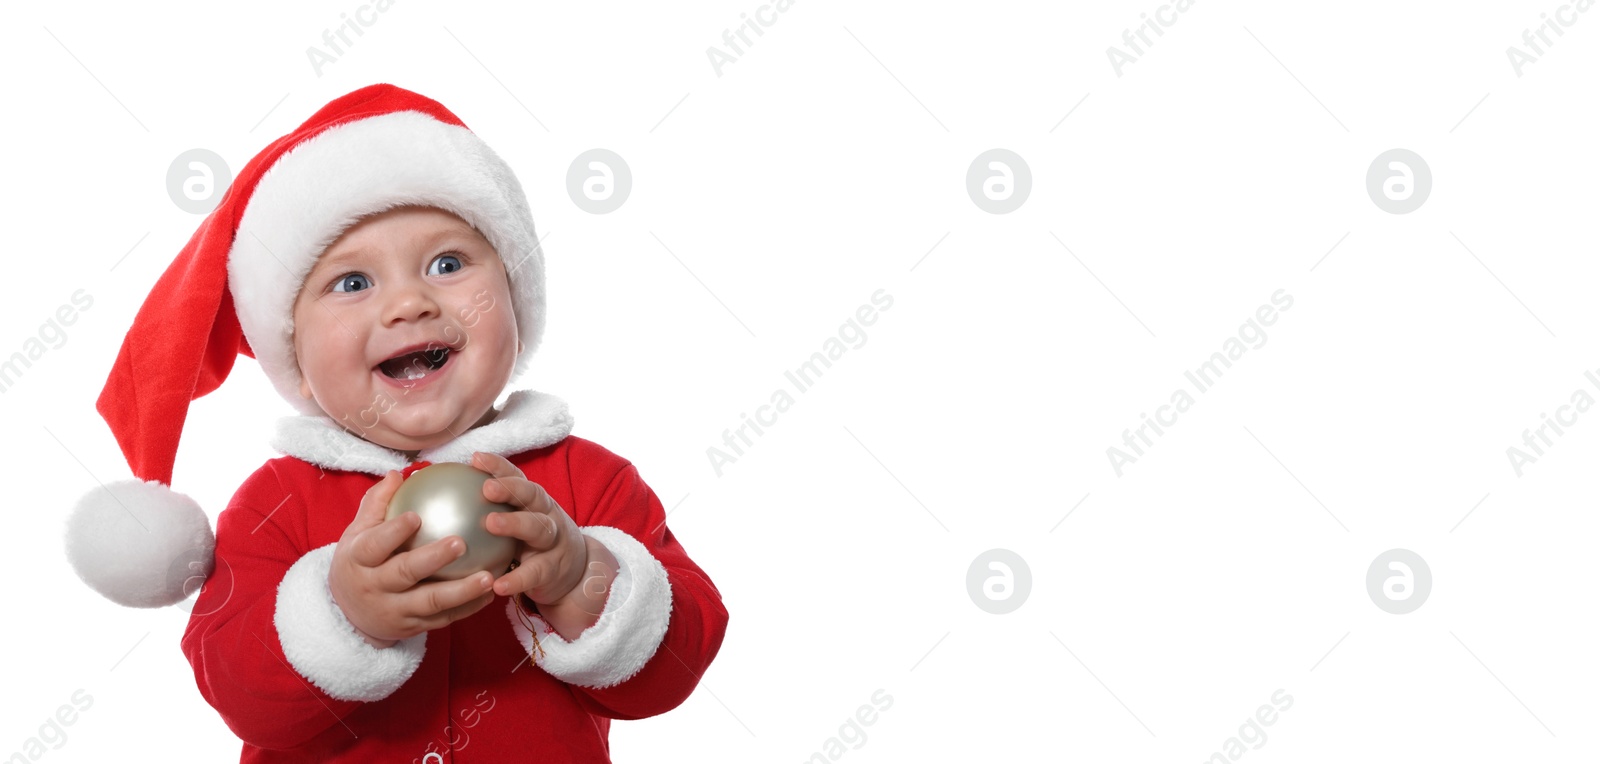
<point x="449" y="498"/>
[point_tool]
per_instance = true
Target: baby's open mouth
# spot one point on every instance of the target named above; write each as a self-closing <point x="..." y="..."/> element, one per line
<point x="415" y="365"/>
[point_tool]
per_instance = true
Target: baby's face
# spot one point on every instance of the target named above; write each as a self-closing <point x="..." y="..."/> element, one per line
<point x="404" y="329"/>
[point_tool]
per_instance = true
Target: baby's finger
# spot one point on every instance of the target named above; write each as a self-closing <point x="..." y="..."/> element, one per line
<point x="446" y="617"/>
<point x="375" y="503"/>
<point x="404" y="570"/>
<point x="430" y="600"/>
<point x="374" y="545"/>
<point x="496" y="465"/>
<point x="510" y="485"/>
<point x="521" y="493"/>
<point x="533" y="574"/>
<point x="538" y="530"/>
<point x="502" y="469"/>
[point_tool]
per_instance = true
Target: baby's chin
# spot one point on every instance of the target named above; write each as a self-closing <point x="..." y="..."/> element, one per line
<point x="406" y="442"/>
<point x="413" y="431"/>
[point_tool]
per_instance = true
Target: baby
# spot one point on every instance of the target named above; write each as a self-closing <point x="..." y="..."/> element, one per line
<point x="381" y="266"/>
<point x="382" y="302"/>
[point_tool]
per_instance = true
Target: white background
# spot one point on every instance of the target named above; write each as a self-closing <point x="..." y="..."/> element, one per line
<point x="1228" y="562"/>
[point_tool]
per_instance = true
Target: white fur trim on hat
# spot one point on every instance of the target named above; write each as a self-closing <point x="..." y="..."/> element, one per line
<point x="325" y="648"/>
<point x="140" y="544"/>
<point x="630" y="628"/>
<point x="324" y="185"/>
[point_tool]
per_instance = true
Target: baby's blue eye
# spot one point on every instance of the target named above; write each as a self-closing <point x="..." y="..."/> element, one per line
<point x="446" y="264"/>
<point x="352" y="282"/>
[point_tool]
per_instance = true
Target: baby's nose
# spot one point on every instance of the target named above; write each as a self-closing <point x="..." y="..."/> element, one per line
<point x="410" y="302"/>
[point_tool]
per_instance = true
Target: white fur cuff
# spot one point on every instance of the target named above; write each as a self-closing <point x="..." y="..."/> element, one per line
<point x="325" y="648"/>
<point x="630" y="628"/>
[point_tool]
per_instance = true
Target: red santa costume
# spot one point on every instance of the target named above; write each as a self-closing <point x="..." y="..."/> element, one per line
<point x="271" y="651"/>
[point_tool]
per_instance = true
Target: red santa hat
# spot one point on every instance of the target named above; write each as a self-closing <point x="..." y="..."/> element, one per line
<point x="231" y="291"/>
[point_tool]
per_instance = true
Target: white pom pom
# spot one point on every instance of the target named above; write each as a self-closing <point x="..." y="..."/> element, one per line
<point x="140" y="544"/>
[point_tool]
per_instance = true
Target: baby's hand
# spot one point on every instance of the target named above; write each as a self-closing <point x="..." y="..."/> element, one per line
<point x="379" y="593"/>
<point x="554" y="558"/>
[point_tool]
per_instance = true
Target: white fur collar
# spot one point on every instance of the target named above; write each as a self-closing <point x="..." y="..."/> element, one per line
<point x="528" y="419"/>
